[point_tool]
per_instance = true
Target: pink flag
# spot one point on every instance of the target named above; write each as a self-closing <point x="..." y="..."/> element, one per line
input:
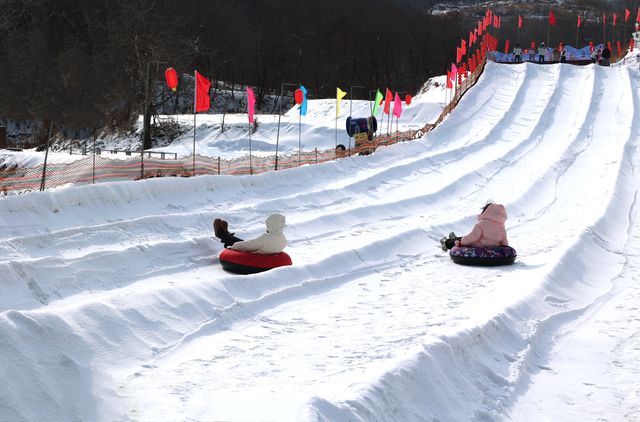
<point x="251" y="102"/>
<point x="397" y="106"/>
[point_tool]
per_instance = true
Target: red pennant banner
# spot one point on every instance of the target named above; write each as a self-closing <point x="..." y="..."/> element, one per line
<point x="203" y="101"/>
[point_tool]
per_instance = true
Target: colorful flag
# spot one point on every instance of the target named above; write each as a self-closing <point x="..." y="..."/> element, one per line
<point x="387" y="101"/>
<point x="627" y="13"/>
<point x="251" y="102"/>
<point x="339" y="95"/>
<point x="202" y="99"/>
<point x="397" y="106"/>
<point x="552" y="18"/>
<point x="303" y="106"/>
<point x="615" y="18"/>
<point x="464" y="47"/>
<point x="638" y="15"/>
<point x="579" y="21"/>
<point x="454" y="72"/>
<point x="519" y="21"/>
<point x="458" y="54"/>
<point x="377" y="102"/>
<point x="449" y="84"/>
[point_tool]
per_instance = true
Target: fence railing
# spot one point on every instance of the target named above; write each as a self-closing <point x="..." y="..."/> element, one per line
<point x="97" y="168"/>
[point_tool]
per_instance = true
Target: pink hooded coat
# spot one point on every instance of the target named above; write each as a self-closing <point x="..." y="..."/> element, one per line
<point x="489" y="230"/>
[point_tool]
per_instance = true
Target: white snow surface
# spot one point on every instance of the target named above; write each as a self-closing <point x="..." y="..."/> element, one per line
<point x="114" y="305"/>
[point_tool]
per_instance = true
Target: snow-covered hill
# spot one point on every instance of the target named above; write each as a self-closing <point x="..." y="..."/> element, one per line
<point x="114" y="306"/>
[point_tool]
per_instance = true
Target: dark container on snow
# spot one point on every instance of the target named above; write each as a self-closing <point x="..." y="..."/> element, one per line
<point x="366" y="125"/>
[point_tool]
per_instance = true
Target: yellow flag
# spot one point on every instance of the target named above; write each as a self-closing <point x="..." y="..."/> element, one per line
<point x="339" y="95"/>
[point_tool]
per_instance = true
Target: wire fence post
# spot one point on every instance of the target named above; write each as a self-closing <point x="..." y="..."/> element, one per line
<point x="46" y="153"/>
<point x="94" y="162"/>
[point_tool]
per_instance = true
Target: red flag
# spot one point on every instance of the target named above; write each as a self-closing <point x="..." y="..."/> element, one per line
<point x="638" y="16"/>
<point x="449" y="84"/>
<point x="480" y="26"/>
<point x="506" y="47"/>
<point x="627" y="13"/>
<point x="470" y="39"/>
<point x="251" y="101"/>
<point x="458" y="55"/>
<point x="579" y="21"/>
<point x="387" y="101"/>
<point x="203" y="101"/>
<point x="615" y="18"/>
<point x="464" y="47"/>
<point x="552" y="18"/>
<point x="519" y="21"/>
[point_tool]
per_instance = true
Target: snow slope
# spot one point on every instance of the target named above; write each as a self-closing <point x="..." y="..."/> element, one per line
<point x="114" y="306"/>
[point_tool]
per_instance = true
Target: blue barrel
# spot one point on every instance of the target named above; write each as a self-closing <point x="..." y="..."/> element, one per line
<point x="366" y="125"/>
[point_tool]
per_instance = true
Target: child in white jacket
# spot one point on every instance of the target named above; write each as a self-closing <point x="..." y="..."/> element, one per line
<point x="271" y="242"/>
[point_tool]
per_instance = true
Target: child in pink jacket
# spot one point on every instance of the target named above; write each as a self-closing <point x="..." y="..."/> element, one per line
<point x="488" y="231"/>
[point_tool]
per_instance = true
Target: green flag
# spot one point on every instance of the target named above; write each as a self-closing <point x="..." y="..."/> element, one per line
<point x="376" y="102"/>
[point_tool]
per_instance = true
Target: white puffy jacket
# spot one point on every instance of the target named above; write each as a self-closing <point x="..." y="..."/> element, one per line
<point x="273" y="241"/>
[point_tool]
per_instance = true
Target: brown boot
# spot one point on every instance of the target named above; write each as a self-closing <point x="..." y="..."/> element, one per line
<point x="218" y="227"/>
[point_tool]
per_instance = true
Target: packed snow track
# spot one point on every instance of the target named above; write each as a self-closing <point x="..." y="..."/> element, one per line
<point x="114" y="306"/>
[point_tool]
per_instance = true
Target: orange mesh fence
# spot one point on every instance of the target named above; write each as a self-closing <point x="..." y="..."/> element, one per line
<point x="94" y="169"/>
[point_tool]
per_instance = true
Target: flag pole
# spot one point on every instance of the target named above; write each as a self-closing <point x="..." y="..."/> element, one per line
<point x="195" y="98"/>
<point x="278" y="132"/>
<point x="250" y="161"/>
<point x="194" y="142"/>
<point x="336" y="133"/>
<point x="299" y="136"/>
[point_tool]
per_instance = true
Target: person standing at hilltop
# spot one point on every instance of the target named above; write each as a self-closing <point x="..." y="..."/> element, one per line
<point x="605" y="57"/>
<point x="542" y="50"/>
<point x="636" y="35"/>
<point x="517" y="53"/>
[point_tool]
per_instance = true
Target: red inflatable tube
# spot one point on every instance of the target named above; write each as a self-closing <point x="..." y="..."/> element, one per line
<point x="250" y="263"/>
